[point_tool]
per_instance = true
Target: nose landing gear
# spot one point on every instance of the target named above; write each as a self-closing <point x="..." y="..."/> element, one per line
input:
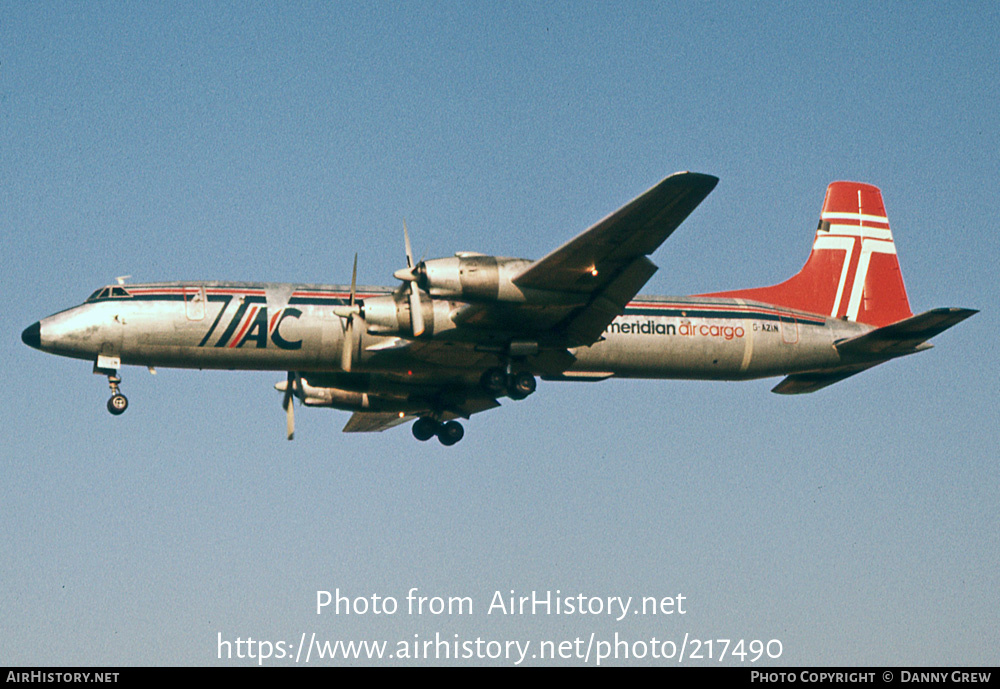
<point x="118" y="402"/>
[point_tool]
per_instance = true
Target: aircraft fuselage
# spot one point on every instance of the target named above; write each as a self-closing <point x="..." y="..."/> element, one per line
<point x="283" y="327"/>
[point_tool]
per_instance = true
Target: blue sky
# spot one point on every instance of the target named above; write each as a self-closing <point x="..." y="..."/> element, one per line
<point x="272" y="141"/>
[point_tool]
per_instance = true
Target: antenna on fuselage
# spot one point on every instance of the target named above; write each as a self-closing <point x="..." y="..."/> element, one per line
<point x="122" y="278"/>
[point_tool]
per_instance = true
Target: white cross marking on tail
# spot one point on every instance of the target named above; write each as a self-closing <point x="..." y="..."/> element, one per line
<point x="844" y="238"/>
<point x="845" y="244"/>
<point x="868" y="247"/>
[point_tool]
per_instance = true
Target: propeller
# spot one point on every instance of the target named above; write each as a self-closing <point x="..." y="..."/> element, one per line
<point x="410" y="274"/>
<point x="288" y="387"/>
<point x="349" y="312"/>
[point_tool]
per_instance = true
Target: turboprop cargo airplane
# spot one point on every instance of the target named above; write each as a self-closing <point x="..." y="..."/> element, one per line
<point x="460" y="333"/>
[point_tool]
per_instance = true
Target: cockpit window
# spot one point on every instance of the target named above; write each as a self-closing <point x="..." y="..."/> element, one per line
<point x="109" y="292"/>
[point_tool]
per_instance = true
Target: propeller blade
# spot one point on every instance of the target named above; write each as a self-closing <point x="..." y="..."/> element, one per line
<point x="354" y="279"/>
<point x="410" y="275"/>
<point x="347" y="349"/>
<point x="288" y="403"/>
<point x="409" y="251"/>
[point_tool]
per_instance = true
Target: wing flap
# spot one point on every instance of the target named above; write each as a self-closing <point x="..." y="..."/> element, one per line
<point x="374" y="422"/>
<point x="587" y="326"/>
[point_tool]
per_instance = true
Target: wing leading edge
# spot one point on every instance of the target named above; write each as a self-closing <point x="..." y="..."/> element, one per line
<point x="592" y="260"/>
<point x="598" y="272"/>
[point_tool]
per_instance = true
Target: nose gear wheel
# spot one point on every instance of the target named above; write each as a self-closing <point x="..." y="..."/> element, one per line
<point x="118" y="402"/>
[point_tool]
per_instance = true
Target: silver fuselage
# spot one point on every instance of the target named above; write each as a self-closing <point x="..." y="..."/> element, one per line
<point x="292" y="327"/>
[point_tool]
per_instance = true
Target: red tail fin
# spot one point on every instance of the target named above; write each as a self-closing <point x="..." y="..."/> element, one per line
<point x="852" y="271"/>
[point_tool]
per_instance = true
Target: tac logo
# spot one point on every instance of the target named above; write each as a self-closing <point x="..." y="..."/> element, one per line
<point x="250" y="324"/>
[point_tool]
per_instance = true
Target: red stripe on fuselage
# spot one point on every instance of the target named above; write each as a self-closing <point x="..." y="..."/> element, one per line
<point x="248" y="292"/>
<point x="738" y="308"/>
<point x="336" y="295"/>
<point x="246" y="326"/>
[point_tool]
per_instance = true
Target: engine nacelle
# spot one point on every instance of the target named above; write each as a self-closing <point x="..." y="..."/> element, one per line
<point x="352" y="400"/>
<point x="390" y="315"/>
<point x="471" y="277"/>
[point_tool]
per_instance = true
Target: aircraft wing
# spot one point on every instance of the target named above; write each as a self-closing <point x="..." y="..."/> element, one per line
<point x="563" y="326"/>
<point x="591" y="261"/>
<point x="463" y="406"/>
<point x="606" y="266"/>
<point x="374" y="421"/>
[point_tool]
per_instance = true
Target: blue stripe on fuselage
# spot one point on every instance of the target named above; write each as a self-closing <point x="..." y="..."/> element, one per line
<point x="675" y="312"/>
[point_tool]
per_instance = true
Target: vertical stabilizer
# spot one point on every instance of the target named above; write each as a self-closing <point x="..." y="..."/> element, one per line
<point x="853" y="271"/>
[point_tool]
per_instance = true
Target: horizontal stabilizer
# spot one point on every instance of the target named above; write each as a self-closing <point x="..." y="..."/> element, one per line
<point x="801" y="383"/>
<point x="873" y="348"/>
<point x="904" y="337"/>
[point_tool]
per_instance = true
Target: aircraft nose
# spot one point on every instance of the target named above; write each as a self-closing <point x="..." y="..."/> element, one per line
<point x="32" y="335"/>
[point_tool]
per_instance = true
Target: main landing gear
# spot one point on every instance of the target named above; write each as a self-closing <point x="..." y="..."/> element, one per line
<point x="118" y="402"/>
<point x="448" y="433"/>
<point x="499" y="381"/>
